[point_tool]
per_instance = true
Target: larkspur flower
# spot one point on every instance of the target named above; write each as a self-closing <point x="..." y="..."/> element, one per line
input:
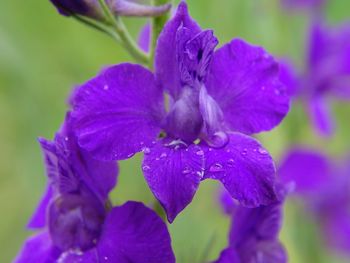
<point x="76" y="221"/>
<point x="254" y="232"/>
<point x="215" y="98"/>
<point x="324" y="186"/>
<point x="327" y="76"/>
<point x="93" y="9"/>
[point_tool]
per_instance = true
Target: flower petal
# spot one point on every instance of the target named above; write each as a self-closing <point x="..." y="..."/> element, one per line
<point x="118" y="112"/>
<point x="309" y="169"/>
<point x="245" y="169"/>
<point x="37" y="249"/>
<point x="166" y="61"/>
<point x="244" y="81"/>
<point x="229" y="255"/>
<point x="134" y="233"/>
<point x="38" y="219"/>
<point x="321" y="116"/>
<point x="173" y="172"/>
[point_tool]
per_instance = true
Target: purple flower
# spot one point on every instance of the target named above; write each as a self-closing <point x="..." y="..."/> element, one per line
<point x="254" y="233"/>
<point x="90" y="8"/>
<point x="76" y="220"/>
<point x="327" y="75"/>
<point x="324" y="186"/>
<point x="214" y="98"/>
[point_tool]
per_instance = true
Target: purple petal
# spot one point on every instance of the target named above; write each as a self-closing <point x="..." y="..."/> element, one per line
<point x="134" y="233"/>
<point x="244" y="81"/>
<point x="289" y="78"/>
<point x="229" y="255"/>
<point x="166" y="61"/>
<point x="261" y="223"/>
<point x="244" y="168"/>
<point x="337" y="230"/>
<point x="228" y="204"/>
<point x="310" y="170"/>
<point x="37" y="249"/>
<point x="118" y="112"/>
<point x="145" y="37"/>
<point x="173" y="172"/>
<point x="321" y="116"/>
<point x="38" y="220"/>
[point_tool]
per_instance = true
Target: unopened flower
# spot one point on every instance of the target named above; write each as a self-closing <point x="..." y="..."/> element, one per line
<point x="215" y="98"/>
<point x="93" y="9"/>
<point x="76" y="221"/>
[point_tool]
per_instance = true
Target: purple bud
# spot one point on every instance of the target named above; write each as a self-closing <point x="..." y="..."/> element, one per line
<point x="128" y="8"/>
<point x="89" y="8"/>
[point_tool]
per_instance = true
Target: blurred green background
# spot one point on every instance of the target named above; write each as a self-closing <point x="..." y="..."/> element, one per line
<point x="43" y="55"/>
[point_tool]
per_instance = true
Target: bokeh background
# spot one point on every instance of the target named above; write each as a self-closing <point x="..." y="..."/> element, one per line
<point x="43" y="55"/>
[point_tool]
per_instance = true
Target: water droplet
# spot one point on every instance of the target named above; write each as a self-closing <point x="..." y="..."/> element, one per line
<point x="200" y="152"/>
<point x="157" y="159"/>
<point x="262" y="151"/>
<point x="146" y="150"/>
<point x="200" y="174"/>
<point x="105" y="87"/>
<point x="146" y="168"/>
<point x="244" y="152"/>
<point x="210" y="149"/>
<point x="142" y="143"/>
<point x="105" y="258"/>
<point x="130" y="154"/>
<point x="163" y="155"/>
<point x="277" y="92"/>
<point x="230" y="162"/>
<point x="186" y="170"/>
<point x="228" y="150"/>
<point x="217" y="167"/>
<point x="263" y="88"/>
<point x="66" y="139"/>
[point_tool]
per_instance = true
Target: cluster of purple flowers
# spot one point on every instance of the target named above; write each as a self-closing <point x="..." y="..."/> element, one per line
<point x="193" y="118"/>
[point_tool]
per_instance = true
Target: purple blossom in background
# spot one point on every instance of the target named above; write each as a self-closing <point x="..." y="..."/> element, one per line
<point x="303" y="4"/>
<point x="254" y="233"/>
<point x="215" y="97"/>
<point x="324" y="186"/>
<point x="76" y="221"/>
<point x="327" y="76"/>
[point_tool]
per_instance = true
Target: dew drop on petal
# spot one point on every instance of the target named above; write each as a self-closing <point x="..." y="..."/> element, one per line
<point x="146" y="168"/>
<point x="216" y="167"/>
<point x="105" y="87"/>
<point x="230" y="162"/>
<point x="244" y="152"/>
<point x="146" y="150"/>
<point x="163" y="155"/>
<point x="262" y="151"/>
<point x="186" y="170"/>
<point x="200" y="152"/>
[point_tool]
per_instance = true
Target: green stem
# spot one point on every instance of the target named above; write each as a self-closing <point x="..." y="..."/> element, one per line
<point x="125" y="39"/>
<point x="157" y="27"/>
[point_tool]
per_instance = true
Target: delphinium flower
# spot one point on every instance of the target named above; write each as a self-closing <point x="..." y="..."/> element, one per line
<point x="324" y="186"/>
<point x="216" y="98"/>
<point x="327" y="74"/>
<point x="76" y="221"/>
<point x="254" y="232"/>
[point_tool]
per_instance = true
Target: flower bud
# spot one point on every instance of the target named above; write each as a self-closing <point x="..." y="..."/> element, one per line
<point x="128" y="8"/>
<point x="89" y="8"/>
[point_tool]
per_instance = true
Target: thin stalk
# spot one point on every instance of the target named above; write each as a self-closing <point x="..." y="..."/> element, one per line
<point x="157" y="27"/>
<point x="125" y="39"/>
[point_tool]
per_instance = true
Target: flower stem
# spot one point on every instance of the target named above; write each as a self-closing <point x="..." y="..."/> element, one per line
<point x="157" y="27"/>
<point x="123" y="35"/>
